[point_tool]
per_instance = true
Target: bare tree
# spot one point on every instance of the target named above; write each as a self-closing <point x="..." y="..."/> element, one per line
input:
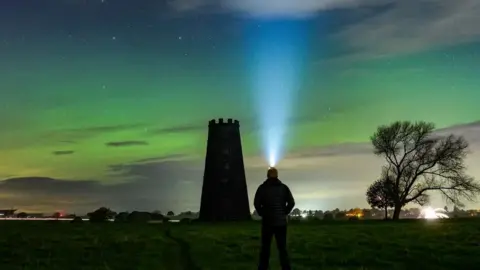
<point x="419" y="162"/>
<point x="379" y="194"/>
<point x="57" y="215"/>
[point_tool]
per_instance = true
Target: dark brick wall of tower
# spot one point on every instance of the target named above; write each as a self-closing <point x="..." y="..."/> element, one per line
<point x="224" y="191"/>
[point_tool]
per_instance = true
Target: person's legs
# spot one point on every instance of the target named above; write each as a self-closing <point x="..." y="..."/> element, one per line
<point x="266" y="239"/>
<point x="281" y="240"/>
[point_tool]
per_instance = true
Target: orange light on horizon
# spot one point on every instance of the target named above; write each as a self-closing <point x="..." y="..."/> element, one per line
<point x="355" y="213"/>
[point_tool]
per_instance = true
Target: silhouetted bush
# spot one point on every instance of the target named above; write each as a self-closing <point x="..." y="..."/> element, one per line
<point x="157" y="216"/>
<point x="121" y="217"/>
<point x="353" y="218"/>
<point x="328" y="216"/>
<point x="102" y="214"/>
<point x="77" y="220"/>
<point x="139" y="217"/>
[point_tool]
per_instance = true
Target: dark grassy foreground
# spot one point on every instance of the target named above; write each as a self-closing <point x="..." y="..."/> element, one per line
<point x="452" y="244"/>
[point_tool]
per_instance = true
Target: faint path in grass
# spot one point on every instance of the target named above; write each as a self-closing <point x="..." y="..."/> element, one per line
<point x="186" y="258"/>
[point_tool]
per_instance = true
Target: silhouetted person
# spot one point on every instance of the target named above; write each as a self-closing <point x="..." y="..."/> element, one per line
<point x="273" y="202"/>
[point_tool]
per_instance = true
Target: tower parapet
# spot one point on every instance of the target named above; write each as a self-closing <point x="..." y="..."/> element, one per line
<point x="221" y="121"/>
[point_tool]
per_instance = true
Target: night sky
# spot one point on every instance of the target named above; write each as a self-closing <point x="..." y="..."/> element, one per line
<point x="106" y="103"/>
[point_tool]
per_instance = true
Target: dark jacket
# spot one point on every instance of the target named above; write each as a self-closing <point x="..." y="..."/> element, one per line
<point x="273" y="202"/>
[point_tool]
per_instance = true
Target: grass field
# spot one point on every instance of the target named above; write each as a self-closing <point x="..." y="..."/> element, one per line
<point x="446" y="244"/>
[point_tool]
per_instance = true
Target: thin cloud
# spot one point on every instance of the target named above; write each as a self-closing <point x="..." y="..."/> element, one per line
<point x="126" y="143"/>
<point x="42" y="185"/>
<point x="180" y="129"/>
<point x="410" y="26"/>
<point x="162" y="158"/>
<point x="470" y="131"/>
<point x="269" y="8"/>
<point x="465" y="126"/>
<point x="63" y="152"/>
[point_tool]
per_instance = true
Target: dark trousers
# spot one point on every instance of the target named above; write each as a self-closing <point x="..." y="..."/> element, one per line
<point x="280" y="233"/>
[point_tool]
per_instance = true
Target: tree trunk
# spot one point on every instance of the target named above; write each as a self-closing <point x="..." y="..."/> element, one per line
<point x="396" y="212"/>
<point x="386" y="213"/>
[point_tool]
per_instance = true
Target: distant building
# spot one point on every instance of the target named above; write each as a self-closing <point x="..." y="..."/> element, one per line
<point x="7" y="213"/>
<point x="224" y="191"/>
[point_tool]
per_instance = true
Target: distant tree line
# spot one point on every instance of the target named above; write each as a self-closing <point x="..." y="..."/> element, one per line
<point x="103" y="214"/>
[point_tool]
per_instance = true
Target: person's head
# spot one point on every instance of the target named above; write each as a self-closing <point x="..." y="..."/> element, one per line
<point x="272" y="173"/>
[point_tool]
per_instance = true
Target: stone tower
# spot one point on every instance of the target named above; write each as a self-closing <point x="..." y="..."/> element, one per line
<point x="224" y="191"/>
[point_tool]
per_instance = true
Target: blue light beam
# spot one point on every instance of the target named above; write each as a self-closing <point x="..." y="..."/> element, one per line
<point x="276" y="53"/>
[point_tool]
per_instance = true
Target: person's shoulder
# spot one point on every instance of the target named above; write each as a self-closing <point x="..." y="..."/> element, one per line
<point x="261" y="186"/>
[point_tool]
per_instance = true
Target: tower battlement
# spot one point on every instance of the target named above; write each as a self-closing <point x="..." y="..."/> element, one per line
<point x="222" y="121"/>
